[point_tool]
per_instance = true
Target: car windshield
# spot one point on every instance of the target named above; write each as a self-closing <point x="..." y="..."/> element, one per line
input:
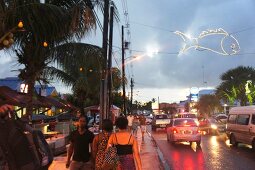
<point x="213" y="121"/>
<point x="161" y="116"/>
<point x="184" y="122"/>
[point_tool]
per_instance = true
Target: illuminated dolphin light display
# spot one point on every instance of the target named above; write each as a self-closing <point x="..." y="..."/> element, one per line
<point x="194" y="42"/>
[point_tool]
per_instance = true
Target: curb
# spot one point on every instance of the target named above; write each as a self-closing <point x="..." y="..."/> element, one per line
<point x="162" y="160"/>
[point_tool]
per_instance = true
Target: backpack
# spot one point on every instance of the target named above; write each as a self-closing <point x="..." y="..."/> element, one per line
<point x="22" y="148"/>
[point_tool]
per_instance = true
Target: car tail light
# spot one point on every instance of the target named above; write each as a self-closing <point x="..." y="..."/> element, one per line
<point x="175" y="131"/>
<point x="198" y="131"/>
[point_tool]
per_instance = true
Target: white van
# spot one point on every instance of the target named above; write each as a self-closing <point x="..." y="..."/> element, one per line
<point x="241" y="125"/>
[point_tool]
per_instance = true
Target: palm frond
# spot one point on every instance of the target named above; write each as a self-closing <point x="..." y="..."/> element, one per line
<point x="53" y="73"/>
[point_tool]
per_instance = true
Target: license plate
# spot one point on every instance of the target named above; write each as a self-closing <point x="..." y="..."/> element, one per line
<point x="162" y="125"/>
<point x="187" y="132"/>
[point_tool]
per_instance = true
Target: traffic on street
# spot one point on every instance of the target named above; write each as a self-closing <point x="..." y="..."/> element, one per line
<point x="215" y="152"/>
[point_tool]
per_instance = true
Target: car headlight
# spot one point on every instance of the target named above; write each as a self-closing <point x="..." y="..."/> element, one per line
<point x="213" y="126"/>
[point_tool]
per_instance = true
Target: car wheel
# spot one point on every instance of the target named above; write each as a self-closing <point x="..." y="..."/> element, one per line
<point x="233" y="140"/>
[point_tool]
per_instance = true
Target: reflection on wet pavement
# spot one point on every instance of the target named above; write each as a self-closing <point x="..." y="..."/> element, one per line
<point x="215" y="153"/>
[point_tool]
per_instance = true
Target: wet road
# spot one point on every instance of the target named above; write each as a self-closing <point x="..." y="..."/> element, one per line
<point x="215" y="153"/>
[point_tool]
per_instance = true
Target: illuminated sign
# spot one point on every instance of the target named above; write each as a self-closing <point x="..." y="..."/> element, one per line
<point x="191" y="42"/>
<point x="23" y="88"/>
<point x="194" y="94"/>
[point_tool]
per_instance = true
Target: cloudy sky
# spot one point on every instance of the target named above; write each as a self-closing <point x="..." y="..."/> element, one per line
<point x="167" y="74"/>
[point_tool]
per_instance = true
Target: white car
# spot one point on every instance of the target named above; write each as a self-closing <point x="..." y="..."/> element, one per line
<point x="183" y="130"/>
<point x="222" y="117"/>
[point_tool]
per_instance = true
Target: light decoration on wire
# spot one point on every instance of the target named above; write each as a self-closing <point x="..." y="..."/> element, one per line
<point x="191" y="42"/>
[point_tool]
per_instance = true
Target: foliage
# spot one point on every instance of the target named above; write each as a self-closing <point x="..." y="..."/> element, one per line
<point x="208" y="104"/>
<point x="233" y="84"/>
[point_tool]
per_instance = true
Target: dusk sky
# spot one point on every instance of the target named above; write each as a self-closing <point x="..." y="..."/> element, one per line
<point x="167" y="74"/>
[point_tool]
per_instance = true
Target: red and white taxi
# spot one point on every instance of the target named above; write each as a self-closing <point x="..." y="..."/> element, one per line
<point x="183" y="130"/>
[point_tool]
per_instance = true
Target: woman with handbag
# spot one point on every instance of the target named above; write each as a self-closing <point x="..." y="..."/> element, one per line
<point x="100" y="144"/>
<point x="126" y="146"/>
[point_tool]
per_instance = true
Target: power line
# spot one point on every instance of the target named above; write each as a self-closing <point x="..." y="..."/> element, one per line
<point x="246" y="29"/>
<point x="98" y="21"/>
<point x="154" y="27"/>
<point x="167" y="30"/>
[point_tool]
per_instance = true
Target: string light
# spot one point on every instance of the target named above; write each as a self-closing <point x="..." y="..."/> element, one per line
<point x="191" y="42"/>
<point x="45" y="44"/>
<point x="20" y="24"/>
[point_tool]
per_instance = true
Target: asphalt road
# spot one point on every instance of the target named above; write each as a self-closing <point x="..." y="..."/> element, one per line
<point x="215" y="153"/>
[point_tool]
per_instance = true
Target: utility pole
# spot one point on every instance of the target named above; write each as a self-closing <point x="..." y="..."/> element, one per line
<point x="158" y="106"/>
<point x="123" y="72"/>
<point x="108" y="115"/>
<point x="131" y="99"/>
<point x="104" y="74"/>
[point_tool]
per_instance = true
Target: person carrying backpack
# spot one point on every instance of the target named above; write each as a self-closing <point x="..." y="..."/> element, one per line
<point x="21" y="147"/>
<point x="100" y="144"/>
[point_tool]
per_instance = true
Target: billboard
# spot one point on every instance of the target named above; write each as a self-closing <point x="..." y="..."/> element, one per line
<point x="194" y="94"/>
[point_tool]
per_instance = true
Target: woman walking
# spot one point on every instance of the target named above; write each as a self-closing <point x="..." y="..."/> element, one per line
<point x="100" y="144"/>
<point x="127" y="146"/>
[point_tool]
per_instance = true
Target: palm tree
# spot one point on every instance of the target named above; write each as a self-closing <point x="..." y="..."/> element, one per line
<point x="79" y="66"/>
<point x="46" y="26"/>
<point x="236" y="79"/>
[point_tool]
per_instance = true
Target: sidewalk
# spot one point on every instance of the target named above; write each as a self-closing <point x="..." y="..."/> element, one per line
<point x="148" y="153"/>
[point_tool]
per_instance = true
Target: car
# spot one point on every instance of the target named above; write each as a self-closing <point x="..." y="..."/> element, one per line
<point x="221" y="117"/>
<point x="159" y="121"/>
<point x="211" y="126"/>
<point x="241" y="126"/>
<point x="183" y="130"/>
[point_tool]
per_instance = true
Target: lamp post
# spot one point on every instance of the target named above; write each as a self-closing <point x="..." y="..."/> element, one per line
<point x="225" y="108"/>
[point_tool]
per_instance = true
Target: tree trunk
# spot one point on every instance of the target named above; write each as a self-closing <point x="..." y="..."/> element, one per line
<point x="30" y="93"/>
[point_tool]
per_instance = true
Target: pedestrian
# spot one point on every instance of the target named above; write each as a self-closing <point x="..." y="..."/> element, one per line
<point x="142" y="120"/>
<point x="127" y="146"/>
<point x="100" y="144"/>
<point x="135" y="124"/>
<point x="130" y="119"/>
<point x="80" y="141"/>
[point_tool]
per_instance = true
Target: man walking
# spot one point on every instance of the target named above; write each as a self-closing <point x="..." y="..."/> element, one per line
<point x="142" y="120"/>
<point x="80" y="141"/>
<point x="130" y="119"/>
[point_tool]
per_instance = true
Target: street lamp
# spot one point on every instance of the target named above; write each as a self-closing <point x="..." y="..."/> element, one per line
<point x="225" y="108"/>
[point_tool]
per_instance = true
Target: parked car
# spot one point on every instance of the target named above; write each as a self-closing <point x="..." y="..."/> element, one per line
<point x="183" y="130"/>
<point x="241" y="125"/>
<point x="160" y="121"/>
